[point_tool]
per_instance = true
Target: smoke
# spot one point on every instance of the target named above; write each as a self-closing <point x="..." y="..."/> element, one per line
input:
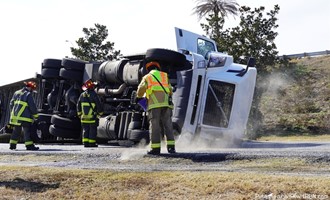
<point x="187" y="142"/>
<point x="135" y="153"/>
<point x="276" y="83"/>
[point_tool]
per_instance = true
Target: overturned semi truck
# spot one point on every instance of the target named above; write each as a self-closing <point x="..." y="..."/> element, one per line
<point x="212" y="94"/>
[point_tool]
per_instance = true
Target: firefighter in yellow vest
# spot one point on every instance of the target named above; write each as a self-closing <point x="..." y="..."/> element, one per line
<point x="157" y="89"/>
<point x="23" y="113"/>
<point x="89" y="109"/>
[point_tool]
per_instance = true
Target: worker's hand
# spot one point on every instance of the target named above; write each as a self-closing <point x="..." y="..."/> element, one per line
<point x="9" y="126"/>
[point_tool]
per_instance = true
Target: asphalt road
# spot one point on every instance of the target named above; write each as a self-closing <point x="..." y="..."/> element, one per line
<point x="194" y="157"/>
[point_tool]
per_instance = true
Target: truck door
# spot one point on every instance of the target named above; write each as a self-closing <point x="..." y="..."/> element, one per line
<point x="194" y="43"/>
<point x="195" y="47"/>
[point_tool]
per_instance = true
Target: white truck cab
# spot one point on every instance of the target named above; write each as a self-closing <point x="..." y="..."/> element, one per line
<point x="221" y="91"/>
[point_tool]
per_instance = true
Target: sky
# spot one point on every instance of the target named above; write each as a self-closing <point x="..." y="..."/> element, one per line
<point x="33" y="30"/>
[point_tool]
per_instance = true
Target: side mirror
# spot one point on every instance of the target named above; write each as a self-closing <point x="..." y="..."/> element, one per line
<point x="251" y="63"/>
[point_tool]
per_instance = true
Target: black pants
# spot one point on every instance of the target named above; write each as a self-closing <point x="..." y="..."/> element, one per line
<point x="89" y="132"/>
<point x="17" y="130"/>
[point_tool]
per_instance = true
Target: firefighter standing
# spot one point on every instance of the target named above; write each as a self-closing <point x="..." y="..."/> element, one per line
<point x="23" y="113"/>
<point x="158" y="90"/>
<point x="89" y="109"/>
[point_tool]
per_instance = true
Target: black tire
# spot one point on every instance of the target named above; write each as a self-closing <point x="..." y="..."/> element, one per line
<point x="50" y="73"/>
<point x="171" y="57"/>
<point x="69" y="63"/>
<point x="71" y="74"/>
<point x="44" y="118"/>
<point x="71" y="124"/>
<point x="44" y="128"/>
<point x="64" y="133"/>
<point x="137" y="135"/>
<point x="135" y="125"/>
<point x="51" y="63"/>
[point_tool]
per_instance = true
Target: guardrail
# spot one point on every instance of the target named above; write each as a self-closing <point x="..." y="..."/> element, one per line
<point x="300" y="55"/>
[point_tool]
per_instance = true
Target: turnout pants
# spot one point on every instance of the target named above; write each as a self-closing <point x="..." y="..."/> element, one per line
<point x="89" y="132"/>
<point x="17" y="130"/>
<point x="160" y="124"/>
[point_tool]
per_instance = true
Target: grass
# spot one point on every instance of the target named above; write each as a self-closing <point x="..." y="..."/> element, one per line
<point x="60" y="183"/>
<point x="297" y="97"/>
<point x="296" y="138"/>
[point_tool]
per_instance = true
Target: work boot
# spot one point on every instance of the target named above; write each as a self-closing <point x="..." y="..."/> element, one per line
<point x="93" y="145"/>
<point x="171" y="150"/>
<point x="12" y="146"/>
<point x="154" y="152"/>
<point x="31" y="147"/>
<point x="86" y="144"/>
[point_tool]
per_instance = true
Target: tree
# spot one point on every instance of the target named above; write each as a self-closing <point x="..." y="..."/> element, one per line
<point x="254" y="37"/>
<point x="93" y="47"/>
<point x="216" y="10"/>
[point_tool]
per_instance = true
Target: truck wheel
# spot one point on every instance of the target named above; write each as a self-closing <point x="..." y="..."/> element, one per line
<point x="72" y="124"/>
<point x="50" y="72"/>
<point x="64" y="133"/>
<point x="137" y="135"/>
<point x="51" y="64"/>
<point x="71" y="74"/>
<point x="44" y="117"/>
<point x="172" y="57"/>
<point x="69" y="63"/>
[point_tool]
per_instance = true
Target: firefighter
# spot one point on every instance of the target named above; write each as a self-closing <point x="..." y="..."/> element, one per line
<point x="158" y="91"/>
<point x="23" y="113"/>
<point x="89" y="109"/>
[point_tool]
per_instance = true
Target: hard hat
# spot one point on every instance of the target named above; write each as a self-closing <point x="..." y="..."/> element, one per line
<point x="31" y="84"/>
<point x="152" y="63"/>
<point x="89" y="84"/>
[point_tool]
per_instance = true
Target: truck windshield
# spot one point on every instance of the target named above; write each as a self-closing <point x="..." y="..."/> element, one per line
<point x="219" y="101"/>
<point x="204" y="46"/>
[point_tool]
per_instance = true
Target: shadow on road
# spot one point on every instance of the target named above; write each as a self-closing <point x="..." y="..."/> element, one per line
<point x="198" y="157"/>
<point x="262" y="145"/>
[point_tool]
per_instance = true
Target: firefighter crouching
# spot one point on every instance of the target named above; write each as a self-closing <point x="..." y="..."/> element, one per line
<point x="23" y="113"/>
<point x="158" y="91"/>
<point x="89" y="109"/>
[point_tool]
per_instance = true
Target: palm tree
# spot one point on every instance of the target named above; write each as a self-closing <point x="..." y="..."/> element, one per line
<point x="216" y="10"/>
<point x="216" y="7"/>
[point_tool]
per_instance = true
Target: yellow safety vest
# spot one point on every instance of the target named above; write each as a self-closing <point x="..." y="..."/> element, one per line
<point x="154" y="86"/>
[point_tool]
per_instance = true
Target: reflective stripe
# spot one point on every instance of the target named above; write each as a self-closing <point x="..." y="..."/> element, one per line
<point x="170" y="142"/>
<point x="28" y="143"/>
<point x="84" y="140"/>
<point x="87" y="121"/>
<point x="91" y="141"/>
<point x="14" y="119"/>
<point x="87" y="117"/>
<point x="153" y="85"/>
<point x="155" y="145"/>
<point x="13" y="141"/>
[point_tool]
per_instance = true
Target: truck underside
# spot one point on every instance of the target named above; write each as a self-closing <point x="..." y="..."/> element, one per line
<point x="212" y="95"/>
